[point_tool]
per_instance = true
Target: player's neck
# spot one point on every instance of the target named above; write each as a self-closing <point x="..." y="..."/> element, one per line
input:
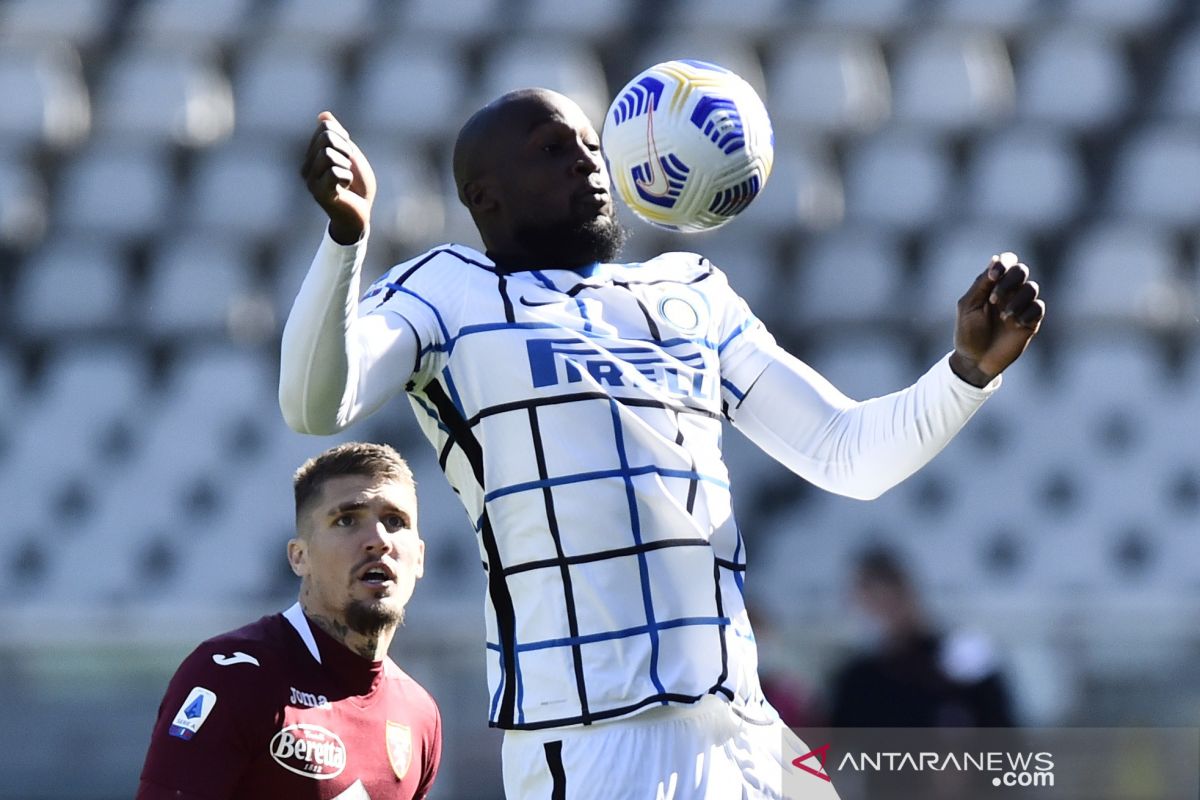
<point x="371" y="647"/>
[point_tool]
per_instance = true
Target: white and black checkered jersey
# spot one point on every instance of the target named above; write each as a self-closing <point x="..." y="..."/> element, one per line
<point x="579" y="418"/>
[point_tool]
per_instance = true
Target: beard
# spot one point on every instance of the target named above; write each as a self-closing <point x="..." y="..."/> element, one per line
<point x="569" y="243"/>
<point x="372" y="619"/>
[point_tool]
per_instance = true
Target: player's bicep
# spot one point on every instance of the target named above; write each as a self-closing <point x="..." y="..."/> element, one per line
<point x="389" y="354"/>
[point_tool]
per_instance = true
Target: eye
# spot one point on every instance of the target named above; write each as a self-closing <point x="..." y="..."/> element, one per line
<point x="593" y="146"/>
<point x="344" y="521"/>
<point x="551" y="147"/>
<point x="395" y="522"/>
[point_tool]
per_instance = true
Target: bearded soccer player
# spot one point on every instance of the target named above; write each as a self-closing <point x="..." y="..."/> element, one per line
<point x="307" y="703"/>
<point x="575" y="404"/>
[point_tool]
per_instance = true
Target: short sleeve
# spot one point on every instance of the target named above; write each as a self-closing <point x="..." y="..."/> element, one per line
<point x="433" y="754"/>
<point x="744" y="345"/>
<point x="202" y="740"/>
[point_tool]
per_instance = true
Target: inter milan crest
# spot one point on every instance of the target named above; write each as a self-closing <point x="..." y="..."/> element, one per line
<point x="399" y="748"/>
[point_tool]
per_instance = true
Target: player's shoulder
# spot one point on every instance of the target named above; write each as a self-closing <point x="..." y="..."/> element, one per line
<point x="250" y="654"/>
<point x="439" y="258"/>
<point x="678" y="265"/>
<point x="414" y="692"/>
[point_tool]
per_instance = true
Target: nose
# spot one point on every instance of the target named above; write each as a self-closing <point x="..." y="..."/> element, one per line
<point x="379" y="540"/>
<point x="586" y="161"/>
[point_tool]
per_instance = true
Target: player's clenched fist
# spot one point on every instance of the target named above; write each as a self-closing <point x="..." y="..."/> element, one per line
<point x="340" y="179"/>
<point x="997" y="317"/>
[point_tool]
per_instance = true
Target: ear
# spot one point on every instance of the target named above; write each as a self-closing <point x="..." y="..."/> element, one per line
<point x="480" y="195"/>
<point x="297" y="552"/>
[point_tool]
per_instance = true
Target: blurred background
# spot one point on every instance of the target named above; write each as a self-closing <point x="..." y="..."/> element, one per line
<point x="154" y="230"/>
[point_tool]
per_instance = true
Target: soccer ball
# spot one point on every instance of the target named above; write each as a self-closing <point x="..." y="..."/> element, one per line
<point x="688" y="144"/>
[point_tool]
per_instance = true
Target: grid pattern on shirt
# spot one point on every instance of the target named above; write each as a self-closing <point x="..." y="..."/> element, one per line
<point x="579" y="420"/>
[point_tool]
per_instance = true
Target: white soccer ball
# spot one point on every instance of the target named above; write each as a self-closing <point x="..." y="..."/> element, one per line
<point x="689" y="145"/>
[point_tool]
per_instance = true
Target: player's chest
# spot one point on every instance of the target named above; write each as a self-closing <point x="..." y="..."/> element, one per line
<point x="337" y="749"/>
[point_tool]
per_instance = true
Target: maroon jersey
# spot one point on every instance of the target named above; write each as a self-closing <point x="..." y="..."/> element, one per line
<point x="281" y="709"/>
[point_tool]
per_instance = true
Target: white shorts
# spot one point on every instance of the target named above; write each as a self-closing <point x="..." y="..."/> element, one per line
<point x="699" y="752"/>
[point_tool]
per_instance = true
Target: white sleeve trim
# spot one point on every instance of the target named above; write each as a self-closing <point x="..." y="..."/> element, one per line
<point x="857" y="449"/>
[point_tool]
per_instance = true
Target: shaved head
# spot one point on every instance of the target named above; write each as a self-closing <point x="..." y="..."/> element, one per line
<point x="528" y="167"/>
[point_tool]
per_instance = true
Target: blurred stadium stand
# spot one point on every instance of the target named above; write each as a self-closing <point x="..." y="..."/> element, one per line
<point x="153" y="232"/>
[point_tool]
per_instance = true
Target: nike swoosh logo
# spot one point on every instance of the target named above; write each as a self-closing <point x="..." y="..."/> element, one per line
<point x="536" y="303"/>
<point x="238" y="657"/>
<point x="658" y="185"/>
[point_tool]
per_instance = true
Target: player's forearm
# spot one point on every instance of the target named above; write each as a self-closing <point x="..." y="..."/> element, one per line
<point x="857" y="449"/>
<point x="317" y="358"/>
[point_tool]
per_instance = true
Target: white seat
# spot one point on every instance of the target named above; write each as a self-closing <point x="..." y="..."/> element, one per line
<point x="744" y="20"/>
<point x="864" y="366"/>
<point x="72" y="285"/>
<point x="409" y="209"/>
<point x="1128" y="17"/>
<point x="279" y="90"/>
<point x="879" y="16"/>
<point x="80" y="22"/>
<point x="589" y="21"/>
<point x="849" y="275"/>
<point x="1180" y="96"/>
<point x="752" y="270"/>
<point x="118" y="188"/>
<point x="953" y="259"/>
<point x="803" y="191"/>
<point x="164" y="95"/>
<point x="309" y="22"/>
<point x="899" y="179"/>
<point x="570" y="68"/>
<point x="1074" y="78"/>
<point x="828" y="83"/>
<point x="448" y="21"/>
<point x="23" y="204"/>
<point x="195" y="286"/>
<point x="243" y="188"/>
<point x="735" y="55"/>
<point x="187" y="23"/>
<point x="1026" y="177"/>
<point x="1122" y="273"/>
<point x="12" y="392"/>
<point x="411" y="88"/>
<point x="1155" y="176"/>
<point x="1004" y="16"/>
<point x="45" y="97"/>
<point x="951" y="81"/>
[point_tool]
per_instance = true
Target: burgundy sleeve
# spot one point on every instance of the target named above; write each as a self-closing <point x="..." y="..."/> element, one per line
<point x="199" y="747"/>
<point x="433" y="753"/>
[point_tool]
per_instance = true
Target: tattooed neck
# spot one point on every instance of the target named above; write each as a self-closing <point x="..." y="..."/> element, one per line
<point x="369" y="647"/>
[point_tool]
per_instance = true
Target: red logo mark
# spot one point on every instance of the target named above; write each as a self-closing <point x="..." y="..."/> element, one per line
<point x="820" y="754"/>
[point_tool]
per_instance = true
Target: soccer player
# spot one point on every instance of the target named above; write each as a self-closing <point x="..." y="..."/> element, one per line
<point x="576" y="405"/>
<point x="307" y="703"/>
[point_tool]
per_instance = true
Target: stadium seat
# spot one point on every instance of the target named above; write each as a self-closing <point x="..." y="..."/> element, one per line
<point x="594" y="22"/>
<point x="1025" y="176"/>
<point x="400" y="76"/>
<point x="71" y="286"/>
<point x="409" y="208"/>
<point x="1127" y="17"/>
<point x="186" y="23"/>
<point x="1180" y="98"/>
<point x="79" y="22"/>
<point x="1001" y="16"/>
<point x="864" y="365"/>
<point x="1073" y="78"/>
<point x="218" y="199"/>
<point x="828" y="83"/>
<point x="954" y="256"/>
<point x="116" y="188"/>
<point x="571" y="68"/>
<point x="195" y="284"/>
<point x="744" y="20"/>
<point x="720" y="48"/>
<point x="803" y="192"/>
<point x="849" y="275"/>
<point x="879" y="16"/>
<point x="308" y="23"/>
<point x="12" y="389"/>
<point x="1119" y="274"/>
<point x="449" y="22"/>
<point x="753" y="272"/>
<point x="279" y="90"/>
<point x="164" y="95"/>
<point x="23" y="204"/>
<point x="950" y="81"/>
<point x="1154" y="177"/>
<point x="898" y="179"/>
<point x="45" y="97"/>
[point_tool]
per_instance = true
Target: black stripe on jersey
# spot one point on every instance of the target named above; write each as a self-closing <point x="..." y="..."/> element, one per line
<point x="579" y="287"/>
<point x="427" y="258"/>
<point x="554" y="762"/>
<point x="502" y="287"/>
<point x="537" y="402"/>
<point x="651" y="325"/>
<point x="601" y="555"/>
<point x="564" y="569"/>
<point x="598" y="716"/>
<point x="731" y="565"/>
<point x="506" y="617"/>
<point x="720" y="686"/>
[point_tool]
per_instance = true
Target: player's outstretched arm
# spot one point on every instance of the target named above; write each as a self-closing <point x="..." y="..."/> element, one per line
<point x="335" y="366"/>
<point x="862" y="449"/>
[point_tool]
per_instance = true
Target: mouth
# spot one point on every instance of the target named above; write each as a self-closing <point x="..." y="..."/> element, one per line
<point x="378" y="575"/>
<point x="596" y="197"/>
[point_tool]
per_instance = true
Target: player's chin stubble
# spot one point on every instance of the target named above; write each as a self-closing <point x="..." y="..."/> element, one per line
<point x="597" y="239"/>
<point x="372" y="619"/>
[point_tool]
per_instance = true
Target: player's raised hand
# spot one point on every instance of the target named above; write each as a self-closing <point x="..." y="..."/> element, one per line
<point x="339" y="178"/>
<point x="997" y="317"/>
